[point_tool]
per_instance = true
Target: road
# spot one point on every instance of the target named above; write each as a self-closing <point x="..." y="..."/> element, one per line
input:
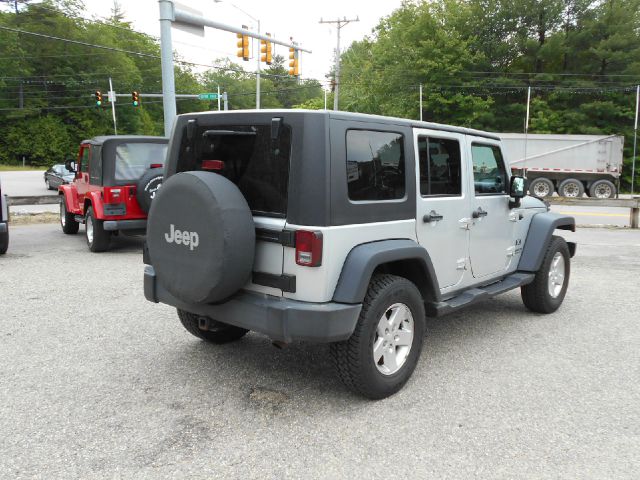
<point x="96" y="382"/>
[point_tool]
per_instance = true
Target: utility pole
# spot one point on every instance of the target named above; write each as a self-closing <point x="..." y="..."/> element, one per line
<point x="340" y="23"/>
<point x="112" y="99"/>
<point x="635" y="141"/>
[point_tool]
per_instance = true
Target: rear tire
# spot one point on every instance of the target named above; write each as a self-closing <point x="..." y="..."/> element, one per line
<point x="97" y="237"/>
<point x="218" y="332"/>
<point x="390" y="328"/>
<point x="571" y="188"/>
<point x="67" y="219"/>
<point x="602" y="189"/>
<point x="4" y="241"/>
<point x="546" y="293"/>
<point x="541" y="188"/>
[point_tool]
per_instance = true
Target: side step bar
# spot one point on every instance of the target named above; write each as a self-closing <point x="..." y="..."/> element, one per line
<point x="474" y="295"/>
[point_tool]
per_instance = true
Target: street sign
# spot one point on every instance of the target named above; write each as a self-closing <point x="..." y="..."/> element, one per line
<point x="207" y="96"/>
<point x="111" y="96"/>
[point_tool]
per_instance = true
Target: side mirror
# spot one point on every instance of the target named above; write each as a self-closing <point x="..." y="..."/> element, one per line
<point x="516" y="189"/>
<point x="70" y="165"/>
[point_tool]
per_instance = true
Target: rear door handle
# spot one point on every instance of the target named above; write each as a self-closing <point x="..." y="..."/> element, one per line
<point x="432" y="216"/>
<point x="479" y="213"/>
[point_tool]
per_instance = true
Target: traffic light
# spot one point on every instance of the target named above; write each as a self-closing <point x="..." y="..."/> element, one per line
<point x="98" y="95"/>
<point x="135" y="98"/>
<point x="266" y="50"/>
<point x="294" y="65"/>
<point x="243" y="45"/>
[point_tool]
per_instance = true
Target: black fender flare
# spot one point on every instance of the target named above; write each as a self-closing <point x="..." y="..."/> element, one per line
<point x="363" y="259"/>
<point x="541" y="229"/>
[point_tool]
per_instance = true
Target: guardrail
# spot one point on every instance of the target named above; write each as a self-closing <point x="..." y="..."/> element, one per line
<point x="34" y="200"/>
<point x="632" y="203"/>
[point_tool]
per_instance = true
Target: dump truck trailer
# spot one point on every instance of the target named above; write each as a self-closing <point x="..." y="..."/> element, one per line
<point x="570" y="165"/>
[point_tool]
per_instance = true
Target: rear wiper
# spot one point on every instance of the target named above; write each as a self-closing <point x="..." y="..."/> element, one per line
<point x="215" y="133"/>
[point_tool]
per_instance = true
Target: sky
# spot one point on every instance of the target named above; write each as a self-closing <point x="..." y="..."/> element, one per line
<point x="282" y="18"/>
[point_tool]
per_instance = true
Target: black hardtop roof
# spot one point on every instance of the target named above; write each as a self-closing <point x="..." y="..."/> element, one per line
<point x="102" y="139"/>
<point x="361" y="117"/>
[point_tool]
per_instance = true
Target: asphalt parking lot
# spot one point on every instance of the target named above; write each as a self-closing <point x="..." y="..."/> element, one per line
<point x="96" y="382"/>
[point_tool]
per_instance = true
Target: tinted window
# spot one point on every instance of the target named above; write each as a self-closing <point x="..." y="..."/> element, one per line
<point x="84" y="162"/>
<point x="375" y="165"/>
<point x="95" y="170"/>
<point x="439" y="166"/>
<point x="133" y="159"/>
<point x="489" y="174"/>
<point x="246" y="155"/>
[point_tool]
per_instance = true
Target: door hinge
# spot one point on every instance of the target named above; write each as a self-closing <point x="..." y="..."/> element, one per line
<point x="461" y="264"/>
<point x="511" y="251"/>
<point x="465" y="223"/>
<point x="514" y="216"/>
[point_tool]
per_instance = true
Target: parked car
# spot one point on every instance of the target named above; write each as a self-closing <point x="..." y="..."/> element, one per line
<point x="4" y="222"/>
<point x="57" y="175"/>
<point x="344" y="228"/>
<point x="116" y="179"/>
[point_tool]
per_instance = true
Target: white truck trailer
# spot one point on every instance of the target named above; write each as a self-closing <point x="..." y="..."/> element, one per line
<point x="570" y="165"/>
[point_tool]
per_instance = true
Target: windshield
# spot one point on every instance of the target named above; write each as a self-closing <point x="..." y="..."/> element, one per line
<point x="133" y="159"/>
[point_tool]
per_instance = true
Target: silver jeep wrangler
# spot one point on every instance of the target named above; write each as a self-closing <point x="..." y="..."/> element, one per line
<point x="343" y="228"/>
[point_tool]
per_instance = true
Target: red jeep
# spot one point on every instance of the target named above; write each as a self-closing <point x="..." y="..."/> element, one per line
<point x="116" y="178"/>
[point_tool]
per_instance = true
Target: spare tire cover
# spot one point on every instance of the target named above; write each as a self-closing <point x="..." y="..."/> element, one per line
<point x="201" y="237"/>
<point x="148" y="187"/>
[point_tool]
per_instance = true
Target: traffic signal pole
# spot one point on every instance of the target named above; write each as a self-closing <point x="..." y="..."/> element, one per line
<point x="170" y="14"/>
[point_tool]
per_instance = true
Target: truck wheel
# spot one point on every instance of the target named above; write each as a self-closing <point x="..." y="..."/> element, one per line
<point x="67" y="219"/>
<point x="217" y="332"/>
<point x="4" y="241"/>
<point x="546" y="293"/>
<point x="381" y="354"/>
<point x="602" y="189"/>
<point x="541" y="188"/>
<point x="571" y="188"/>
<point x="97" y="236"/>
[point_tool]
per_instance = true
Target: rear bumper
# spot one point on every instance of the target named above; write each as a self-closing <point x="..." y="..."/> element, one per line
<point x="277" y="317"/>
<point x="112" y="225"/>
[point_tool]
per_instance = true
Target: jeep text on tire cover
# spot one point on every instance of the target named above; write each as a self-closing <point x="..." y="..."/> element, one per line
<point x="344" y="228"/>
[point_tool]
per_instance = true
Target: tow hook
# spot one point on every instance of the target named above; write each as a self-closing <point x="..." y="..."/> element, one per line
<point x="203" y="323"/>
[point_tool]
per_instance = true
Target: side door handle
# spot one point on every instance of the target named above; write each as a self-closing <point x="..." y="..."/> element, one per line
<point x="432" y="216"/>
<point x="479" y="213"/>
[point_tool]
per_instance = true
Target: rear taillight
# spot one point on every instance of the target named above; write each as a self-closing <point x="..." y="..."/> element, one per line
<point x="113" y="195"/>
<point x="212" y="165"/>
<point x="308" y="248"/>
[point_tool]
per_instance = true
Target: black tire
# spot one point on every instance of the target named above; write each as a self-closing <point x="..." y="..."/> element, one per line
<point x="536" y="295"/>
<point x="201" y="237"/>
<point x="148" y="186"/>
<point x="354" y="358"/>
<point x="217" y="332"/>
<point x="4" y="241"/>
<point x="541" y="188"/>
<point x="602" y="189"/>
<point x="99" y="241"/>
<point x="571" y="188"/>
<point x="67" y="219"/>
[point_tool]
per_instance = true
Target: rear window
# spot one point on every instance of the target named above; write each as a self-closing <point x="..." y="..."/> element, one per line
<point x="133" y="159"/>
<point x="249" y="157"/>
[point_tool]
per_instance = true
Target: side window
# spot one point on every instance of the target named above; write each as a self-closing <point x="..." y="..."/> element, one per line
<point x="84" y="161"/>
<point x="375" y="165"/>
<point x="489" y="173"/>
<point x="440" y="166"/>
<point x="95" y="167"/>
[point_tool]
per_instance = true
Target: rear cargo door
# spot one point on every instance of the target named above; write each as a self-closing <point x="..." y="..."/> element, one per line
<point x="255" y="157"/>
